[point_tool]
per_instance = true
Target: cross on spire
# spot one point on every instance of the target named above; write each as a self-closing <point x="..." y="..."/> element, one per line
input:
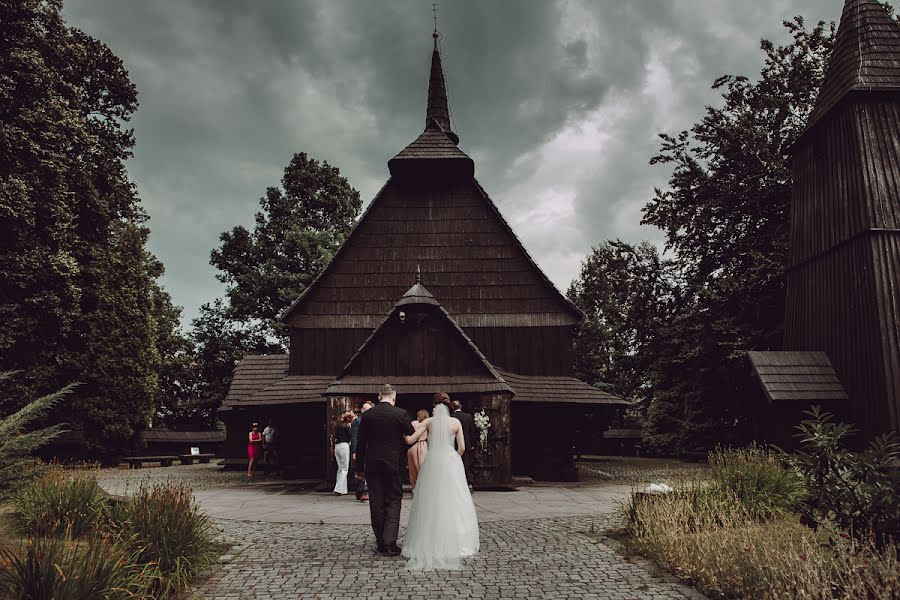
<point x="434" y="9"/>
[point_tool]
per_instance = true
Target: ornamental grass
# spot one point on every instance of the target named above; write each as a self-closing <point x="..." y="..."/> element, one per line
<point x="60" y="502"/>
<point x="60" y="568"/>
<point x="82" y="544"/>
<point x="735" y="536"/>
<point x="162" y="526"/>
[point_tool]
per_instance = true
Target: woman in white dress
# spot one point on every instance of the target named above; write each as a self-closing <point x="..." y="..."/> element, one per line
<point x="442" y="526"/>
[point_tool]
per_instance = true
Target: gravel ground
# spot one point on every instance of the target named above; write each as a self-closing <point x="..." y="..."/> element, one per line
<point x="639" y="470"/>
<point x="118" y="480"/>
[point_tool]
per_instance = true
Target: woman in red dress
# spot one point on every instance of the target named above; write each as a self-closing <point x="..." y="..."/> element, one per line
<point x="254" y="448"/>
<point x="415" y="456"/>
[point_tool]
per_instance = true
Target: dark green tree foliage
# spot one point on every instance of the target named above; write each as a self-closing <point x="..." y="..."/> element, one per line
<point x="298" y="229"/>
<point x="725" y="216"/>
<point x="77" y="299"/>
<point x="625" y="292"/>
<point x="219" y="342"/>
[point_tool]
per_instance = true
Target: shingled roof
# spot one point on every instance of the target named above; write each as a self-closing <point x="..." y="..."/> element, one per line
<point x="435" y="151"/>
<point x="301" y="389"/>
<point x="263" y="380"/>
<point x="557" y="390"/>
<point x="433" y="213"/>
<point x="866" y="56"/>
<point x="797" y="376"/>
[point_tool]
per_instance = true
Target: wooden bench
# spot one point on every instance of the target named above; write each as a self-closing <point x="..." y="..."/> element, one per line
<point x="188" y="459"/>
<point x="136" y="462"/>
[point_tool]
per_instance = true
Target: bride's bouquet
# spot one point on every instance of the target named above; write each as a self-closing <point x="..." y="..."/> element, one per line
<point x="482" y="423"/>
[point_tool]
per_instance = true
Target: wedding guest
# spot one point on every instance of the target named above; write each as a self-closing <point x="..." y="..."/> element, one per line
<point x="468" y="427"/>
<point x="253" y="448"/>
<point x="416" y="453"/>
<point x="342" y="452"/>
<point x="362" y="489"/>
<point x="270" y="445"/>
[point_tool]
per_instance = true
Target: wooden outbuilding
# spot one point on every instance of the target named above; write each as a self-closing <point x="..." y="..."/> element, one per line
<point x="843" y="279"/>
<point x="432" y="291"/>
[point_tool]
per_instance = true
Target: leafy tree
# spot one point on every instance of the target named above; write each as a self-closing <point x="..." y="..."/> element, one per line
<point x="77" y="299"/>
<point x="19" y="438"/>
<point x="624" y="291"/>
<point x="298" y="229"/>
<point x="220" y="343"/>
<point x="725" y="216"/>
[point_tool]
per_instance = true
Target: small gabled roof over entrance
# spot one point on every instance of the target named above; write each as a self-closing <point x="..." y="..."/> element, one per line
<point x="797" y="376"/>
<point x="418" y="348"/>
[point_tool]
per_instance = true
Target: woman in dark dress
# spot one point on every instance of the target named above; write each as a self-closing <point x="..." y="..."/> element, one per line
<point x="342" y="452"/>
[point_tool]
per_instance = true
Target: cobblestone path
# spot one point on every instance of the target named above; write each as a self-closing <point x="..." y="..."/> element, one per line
<point x="546" y="558"/>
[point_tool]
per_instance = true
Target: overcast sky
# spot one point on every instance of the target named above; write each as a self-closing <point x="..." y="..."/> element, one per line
<point x="559" y="103"/>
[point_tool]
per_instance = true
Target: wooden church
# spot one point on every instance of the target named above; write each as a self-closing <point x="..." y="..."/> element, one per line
<point x="432" y="291"/>
<point x="842" y="338"/>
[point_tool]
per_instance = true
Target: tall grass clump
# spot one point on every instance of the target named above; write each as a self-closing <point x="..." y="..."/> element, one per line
<point x="61" y="502"/>
<point x="163" y="527"/>
<point x="19" y="439"/>
<point x="735" y="535"/>
<point x="757" y="478"/>
<point x="63" y="569"/>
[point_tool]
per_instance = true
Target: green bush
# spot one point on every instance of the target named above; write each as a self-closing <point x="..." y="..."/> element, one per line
<point x="757" y="478"/>
<point x="854" y="491"/>
<point x="163" y="527"/>
<point x="62" y="502"/>
<point x="60" y="569"/>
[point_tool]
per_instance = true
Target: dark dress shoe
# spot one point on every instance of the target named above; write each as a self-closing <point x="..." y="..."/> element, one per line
<point x="393" y="550"/>
<point x="380" y="549"/>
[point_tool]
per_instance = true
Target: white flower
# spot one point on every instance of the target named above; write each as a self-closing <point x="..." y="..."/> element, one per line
<point x="482" y="423"/>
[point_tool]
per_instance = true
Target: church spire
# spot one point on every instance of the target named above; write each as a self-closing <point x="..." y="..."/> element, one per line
<point x="437" y="114"/>
<point x="865" y="58"/>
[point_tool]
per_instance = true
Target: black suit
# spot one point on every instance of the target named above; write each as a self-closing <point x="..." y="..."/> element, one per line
<point x="379" y="448"/>
<point x="468" y="428"/>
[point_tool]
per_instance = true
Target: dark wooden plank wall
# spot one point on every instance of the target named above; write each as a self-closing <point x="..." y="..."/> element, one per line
<point x="524" y="350"/>
<point x="846" y="177"/>
<point x="324" y="351"/>
<point x="843" y="295"/>
<point x="425" y="344"/>
<point x="527" y="350"/>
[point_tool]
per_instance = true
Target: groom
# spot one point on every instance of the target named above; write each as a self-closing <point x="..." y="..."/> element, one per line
<point x="379" y="448"/>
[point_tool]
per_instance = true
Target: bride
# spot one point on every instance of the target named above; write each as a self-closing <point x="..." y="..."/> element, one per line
<point x="442" y="525"/>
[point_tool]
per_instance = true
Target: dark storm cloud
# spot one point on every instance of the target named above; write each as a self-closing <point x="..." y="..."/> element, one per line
<point x="558" y="102"/>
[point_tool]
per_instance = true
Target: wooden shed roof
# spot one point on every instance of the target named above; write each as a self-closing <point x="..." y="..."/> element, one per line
<point x="302" y="389"/>
<point x="866" y="56"/>
<point x="557" y="390"/>
<point x="797" y="376"/>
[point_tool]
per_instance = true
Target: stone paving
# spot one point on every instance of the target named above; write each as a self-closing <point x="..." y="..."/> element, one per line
<point x="538" y="558"/>
<point x="541" y="541"/>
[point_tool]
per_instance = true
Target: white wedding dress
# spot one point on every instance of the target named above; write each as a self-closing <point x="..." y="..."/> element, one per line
<point x="442" y="526"/>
